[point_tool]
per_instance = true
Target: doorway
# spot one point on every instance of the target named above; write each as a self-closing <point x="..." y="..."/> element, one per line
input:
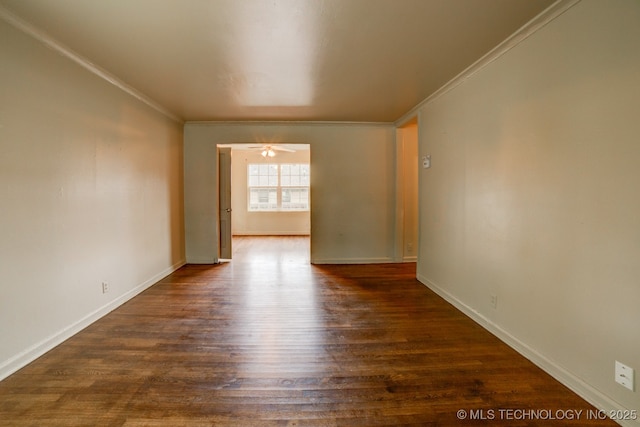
<point x="407" y="191"/>
<point x="270" y="251"/>
<point x="270" y="193"/>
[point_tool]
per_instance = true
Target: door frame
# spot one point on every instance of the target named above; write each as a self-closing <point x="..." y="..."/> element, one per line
<point x="220" y="228"/>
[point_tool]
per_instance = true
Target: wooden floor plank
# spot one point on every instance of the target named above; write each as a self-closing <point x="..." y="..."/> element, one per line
<point x="270" y="340"/>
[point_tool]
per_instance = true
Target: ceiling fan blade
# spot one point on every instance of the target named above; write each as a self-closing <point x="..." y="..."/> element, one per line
<point x="280" y="148"/>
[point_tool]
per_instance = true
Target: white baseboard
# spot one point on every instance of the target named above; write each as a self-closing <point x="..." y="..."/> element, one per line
<point x="270" y="233"/>
<point x="27" y="356"/>
<point x="203" y="260"/>
<point x="586" y="391"/>
<point x="385" y="260"/>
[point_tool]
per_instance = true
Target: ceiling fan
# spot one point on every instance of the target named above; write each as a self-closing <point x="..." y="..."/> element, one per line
<point x="270" y="150"/>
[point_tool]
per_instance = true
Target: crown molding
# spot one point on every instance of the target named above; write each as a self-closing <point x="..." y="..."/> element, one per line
<point x="47" y="40"/>
<point x="284" y="122"/>
<point x="534" y="25"/>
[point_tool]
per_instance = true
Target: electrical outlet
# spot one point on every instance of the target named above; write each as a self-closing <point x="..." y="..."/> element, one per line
<point x="105" y="287"/>
<point x="624" y="375"/>
<point x="494" y="301"/>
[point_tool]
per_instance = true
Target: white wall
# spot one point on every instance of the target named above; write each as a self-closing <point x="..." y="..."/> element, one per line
<point x="248" y="223"/>
<point x="91" y="190"/>
<point x="533" y="196"/>
<point x="352" y="186"/>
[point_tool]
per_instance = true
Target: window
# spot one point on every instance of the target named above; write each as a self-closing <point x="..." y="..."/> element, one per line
<point x="283" y="187"/>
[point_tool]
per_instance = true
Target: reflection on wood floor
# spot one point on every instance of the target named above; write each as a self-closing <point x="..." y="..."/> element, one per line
<point x="268" y="339"/>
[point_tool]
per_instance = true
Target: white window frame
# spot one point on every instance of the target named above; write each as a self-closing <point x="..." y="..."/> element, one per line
<point x="264" y="181"/>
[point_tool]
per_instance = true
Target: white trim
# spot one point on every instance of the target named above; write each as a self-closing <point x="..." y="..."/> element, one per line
<point x="271" y="233"/>
<point x="203" y="260"/>
<point x="27" y="356"/>
<point x="283" y="123"/>
<point x="385" y="260"/>
<point x="586" y="391"/>
<point x="50" y="42"/>
<point x="528" y="29"/>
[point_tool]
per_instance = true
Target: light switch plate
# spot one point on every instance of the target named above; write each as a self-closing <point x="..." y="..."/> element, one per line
<point x="624" y="375"/>
<point x="426" y="161"/>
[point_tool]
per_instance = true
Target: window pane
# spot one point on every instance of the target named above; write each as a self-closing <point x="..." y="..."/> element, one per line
<point x="304" y="175"/>
<point x="295" y="199"/>
<point x="263" y="175"/>
<point x="263" y="199"/>
<point x="294" y="175"/>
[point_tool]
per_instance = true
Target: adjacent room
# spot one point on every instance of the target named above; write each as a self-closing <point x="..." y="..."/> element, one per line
<point x="319" y="212"/>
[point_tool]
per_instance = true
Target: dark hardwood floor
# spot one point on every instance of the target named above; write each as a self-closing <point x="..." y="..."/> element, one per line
<point x="269" y="339"/>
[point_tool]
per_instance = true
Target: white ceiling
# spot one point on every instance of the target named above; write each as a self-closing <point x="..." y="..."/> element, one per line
<point x="333" y="60"/>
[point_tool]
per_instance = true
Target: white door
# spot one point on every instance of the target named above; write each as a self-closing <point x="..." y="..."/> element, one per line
<point x="224" y="192"/>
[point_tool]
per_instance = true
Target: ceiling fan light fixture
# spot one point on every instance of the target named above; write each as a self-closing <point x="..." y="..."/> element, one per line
<point x="268" y="152"/>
